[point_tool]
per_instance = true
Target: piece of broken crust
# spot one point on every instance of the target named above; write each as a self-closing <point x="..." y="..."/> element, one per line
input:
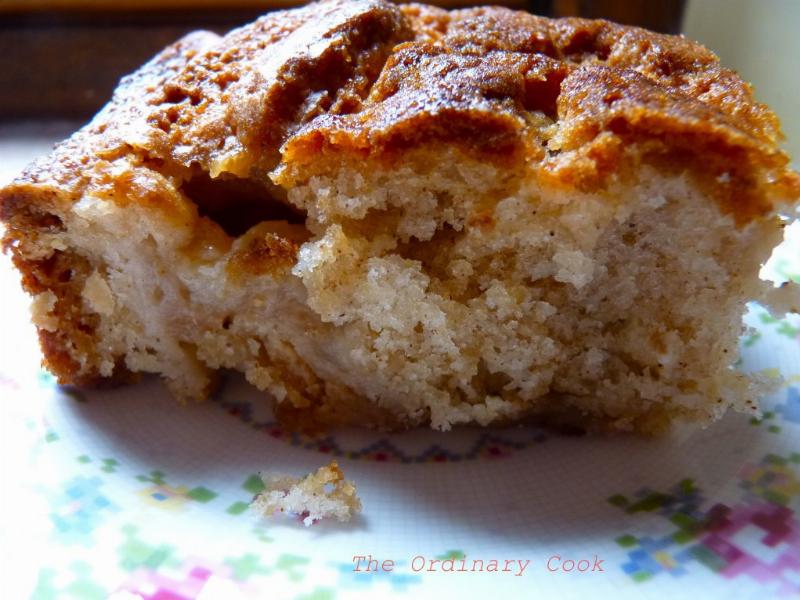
<point x="324" y="494"/>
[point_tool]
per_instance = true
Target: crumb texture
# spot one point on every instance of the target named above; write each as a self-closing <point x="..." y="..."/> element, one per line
<point x="399" y="215"/>
<point x="324" y="494"/>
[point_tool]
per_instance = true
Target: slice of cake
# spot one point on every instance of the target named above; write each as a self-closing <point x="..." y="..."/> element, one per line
<point x="400" y="216"/>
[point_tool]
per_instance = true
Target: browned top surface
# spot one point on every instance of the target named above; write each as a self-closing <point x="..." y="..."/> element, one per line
<point x="370" y="78"/>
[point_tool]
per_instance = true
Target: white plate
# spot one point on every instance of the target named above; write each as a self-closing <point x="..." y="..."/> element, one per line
<point x="123" y="493"/>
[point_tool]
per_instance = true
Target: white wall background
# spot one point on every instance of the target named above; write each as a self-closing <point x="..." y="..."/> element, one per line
<point x="761" y="40"/>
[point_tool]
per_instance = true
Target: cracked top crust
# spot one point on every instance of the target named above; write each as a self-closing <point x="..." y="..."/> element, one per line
<point x="577" y="101"/>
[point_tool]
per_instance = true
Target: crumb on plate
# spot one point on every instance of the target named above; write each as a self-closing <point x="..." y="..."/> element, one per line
<point x="320" y="495"/>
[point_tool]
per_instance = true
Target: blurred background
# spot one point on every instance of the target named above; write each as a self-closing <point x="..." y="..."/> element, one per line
<point x="61" y="59"/>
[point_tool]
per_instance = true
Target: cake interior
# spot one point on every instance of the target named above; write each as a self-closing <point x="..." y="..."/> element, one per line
<point x="434" y="287"/>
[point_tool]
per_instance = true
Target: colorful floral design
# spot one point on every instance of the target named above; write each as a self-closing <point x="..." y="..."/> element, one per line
<point x="78" y="509"/>
<point x="790" y="410"/>
<point x="400" y="579"/>
<point x="486" y="445"/>
<point x="787" y="270"/>
<point x="171" y="497"/>
<point x="157" y="572"/>
<point x="782" y="326"/>
<point x="78" y="584"/>
<point x="191" y="579"/>
<point x="758" y="537"/>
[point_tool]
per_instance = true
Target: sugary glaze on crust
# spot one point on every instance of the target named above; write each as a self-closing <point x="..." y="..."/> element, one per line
<point x="571" y="102"/>
<point x="369" y="77"/>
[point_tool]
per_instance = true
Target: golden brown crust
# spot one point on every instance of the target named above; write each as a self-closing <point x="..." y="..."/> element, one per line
<point x="370" y="77"/>
<point x="262" y="252"/>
